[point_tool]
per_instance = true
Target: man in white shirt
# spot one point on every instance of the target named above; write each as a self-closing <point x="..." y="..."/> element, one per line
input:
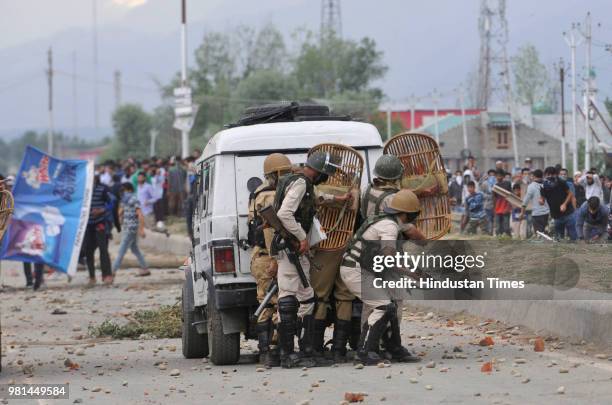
<point x="592" y="185"/>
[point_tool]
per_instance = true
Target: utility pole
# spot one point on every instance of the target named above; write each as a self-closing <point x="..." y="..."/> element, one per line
<point x="75" y="105"/>
<point x="562" y="78"/>
<point x="95" y="63"/>
<point x="412" y="108"/>
<point x="510" y="104"/>
<point x="154" y="134"/>
<point x="50" y="84"/>
<point x="117" y="86"/>
<point x="463" y="123"/>
<point x="570" y="38"/>
<point x="389" y="122"/>
<point x="587" y="95"/>
<point x="435" y="103"/>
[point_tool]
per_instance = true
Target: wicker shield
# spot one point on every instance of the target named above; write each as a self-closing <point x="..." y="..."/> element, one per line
<point x="338" y="220"/>
<point x="6" y="209"/>
<point x="424" y="169"/>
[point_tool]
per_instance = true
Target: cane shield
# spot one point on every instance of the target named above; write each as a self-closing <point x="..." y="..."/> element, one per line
<point x="338" y="219"/>
<point x="424" y="174"/>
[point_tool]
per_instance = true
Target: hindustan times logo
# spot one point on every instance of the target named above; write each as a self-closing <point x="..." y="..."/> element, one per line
<point x="411" y="262"/>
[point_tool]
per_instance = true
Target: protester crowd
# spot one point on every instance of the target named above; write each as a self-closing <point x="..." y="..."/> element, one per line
<point x="128" y="196"/>
<point x="548" y="203"/>
<point x="131" y="195"/>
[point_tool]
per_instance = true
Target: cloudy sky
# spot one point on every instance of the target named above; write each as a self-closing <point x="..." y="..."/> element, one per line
<point x="427" y="44"/>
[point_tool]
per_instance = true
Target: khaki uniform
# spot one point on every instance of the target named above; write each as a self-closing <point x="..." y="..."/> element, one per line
<point x="260" y="257"/>
<point x="373" y="192"/>
<point x="325" y="280"/>
<point x="289" y="283"/>
<point x="383" y="230"/>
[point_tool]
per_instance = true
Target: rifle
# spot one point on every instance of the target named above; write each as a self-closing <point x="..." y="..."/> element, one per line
<point x="271" y="291"/>
<point x="284" y="240"/>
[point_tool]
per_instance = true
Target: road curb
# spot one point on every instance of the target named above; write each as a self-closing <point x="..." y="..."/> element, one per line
<point x="588" y="320"/>
<point x="178" y="245"/>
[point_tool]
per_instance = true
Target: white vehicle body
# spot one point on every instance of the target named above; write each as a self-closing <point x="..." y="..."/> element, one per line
<point x="230" y="159"/>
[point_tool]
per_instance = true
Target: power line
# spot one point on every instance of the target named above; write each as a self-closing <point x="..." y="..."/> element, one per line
<point x="107" y="82"/>
<point x="22" y="81"/>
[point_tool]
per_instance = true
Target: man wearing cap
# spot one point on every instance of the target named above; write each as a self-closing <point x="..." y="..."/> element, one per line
<point x="263" y="265"/>
<point x="379" y="232"/>
<point x="528" y="163"/>
<point x="294" y="203"/>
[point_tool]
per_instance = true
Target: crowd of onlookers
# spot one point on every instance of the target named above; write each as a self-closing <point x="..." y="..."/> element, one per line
<point x="545" y="203"/>
<point x="131" y="195"/>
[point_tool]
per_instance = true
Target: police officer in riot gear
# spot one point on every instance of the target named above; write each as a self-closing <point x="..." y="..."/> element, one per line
<point x="388" y="171"/>
<point x="263" y="265"/>
<point x="295" y="207"/>
<point x="385" y="229"/>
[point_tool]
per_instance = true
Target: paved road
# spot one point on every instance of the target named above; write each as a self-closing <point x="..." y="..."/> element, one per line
<point x="37" y="343"/>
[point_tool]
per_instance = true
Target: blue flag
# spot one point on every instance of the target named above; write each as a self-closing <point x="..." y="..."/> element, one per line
<point x="52" y="200"/>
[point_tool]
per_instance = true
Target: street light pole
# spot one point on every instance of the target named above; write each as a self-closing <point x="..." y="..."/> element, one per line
<point x="572" y="43"/>
<point x="463" y="123"/>
<point x="562" y="77"/>
<point x="436" y="127"/>
<point x="184" y="132"/>
<point x="587" y="96"/>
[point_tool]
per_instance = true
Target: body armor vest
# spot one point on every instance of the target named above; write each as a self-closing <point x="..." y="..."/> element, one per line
<point x="307" y="209"/>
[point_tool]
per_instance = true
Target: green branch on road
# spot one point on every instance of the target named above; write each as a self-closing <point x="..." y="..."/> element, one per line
<point x="164" y="322"/>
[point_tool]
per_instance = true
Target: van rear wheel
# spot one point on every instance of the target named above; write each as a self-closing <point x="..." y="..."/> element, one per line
<point x="195" y="345"/>
<point x="223" y="348"/>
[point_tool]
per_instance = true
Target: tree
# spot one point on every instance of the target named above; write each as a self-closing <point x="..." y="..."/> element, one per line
<point x="233" y="70"/>
<point x="266" y="86"/>
<point x="324" y="68"/>
<point x="132" y="126"/>
<point x="608" y="104"/>
<point x="531" y="79"/>
<point x="268" y="51"/>
<point x="168" y="141"/>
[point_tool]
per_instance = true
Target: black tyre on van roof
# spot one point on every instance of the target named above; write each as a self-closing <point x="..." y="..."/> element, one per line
<point x="286" y="112"/>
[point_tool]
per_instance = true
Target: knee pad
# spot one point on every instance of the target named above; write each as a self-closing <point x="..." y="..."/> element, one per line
<point x="390" y="309"/>
<point x="288" y="307"/>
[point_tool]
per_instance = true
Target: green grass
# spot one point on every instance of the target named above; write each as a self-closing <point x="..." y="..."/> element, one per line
<point x="164" y="322"/>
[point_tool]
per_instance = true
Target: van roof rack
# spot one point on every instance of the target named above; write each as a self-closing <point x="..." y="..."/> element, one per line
<point x="287" y="112"/>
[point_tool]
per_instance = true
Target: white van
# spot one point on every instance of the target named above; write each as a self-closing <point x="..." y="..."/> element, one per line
<point x="219" y="295"/>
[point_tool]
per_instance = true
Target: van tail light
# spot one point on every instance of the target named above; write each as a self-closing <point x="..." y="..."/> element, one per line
<point x="224" y="259"/>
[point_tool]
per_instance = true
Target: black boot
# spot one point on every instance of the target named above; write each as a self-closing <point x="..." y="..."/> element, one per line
<point x="392" y="342"/>
<point x="342" y="330"/>
<point x="355" y="324"/>
<point x="319" y="336"/>
<point x="264" y="338"/>
<point x="287" y="310"/>
<point x="299" y="332"/>
<point x="311" y="333"/>
<point x="369" y="341"/>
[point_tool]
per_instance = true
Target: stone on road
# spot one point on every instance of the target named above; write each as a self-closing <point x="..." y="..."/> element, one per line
<point x="40" y="348"/>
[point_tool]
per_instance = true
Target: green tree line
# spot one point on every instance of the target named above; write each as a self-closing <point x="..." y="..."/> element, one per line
<point x="248" y="66"/>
